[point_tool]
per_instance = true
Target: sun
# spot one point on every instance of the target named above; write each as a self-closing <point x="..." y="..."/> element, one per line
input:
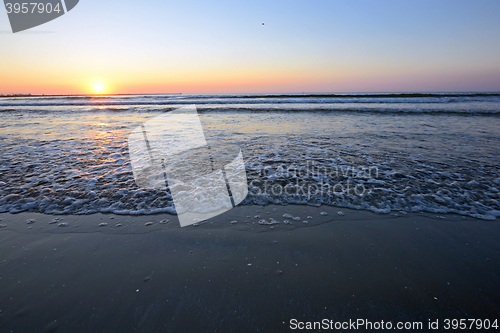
<point x="98" y="88"/>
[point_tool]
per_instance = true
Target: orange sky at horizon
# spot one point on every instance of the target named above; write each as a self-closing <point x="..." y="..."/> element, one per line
<point x="234" y="82"/>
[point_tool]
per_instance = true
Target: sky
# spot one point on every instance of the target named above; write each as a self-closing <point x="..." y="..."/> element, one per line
<point x="190" y="47"/>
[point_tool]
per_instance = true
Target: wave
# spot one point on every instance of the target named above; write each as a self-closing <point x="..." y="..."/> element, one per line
<point x="201" y="109"/>
<point x="269" y="99"/>
<point x="68" y="164"/>
<point x="492" y="112"/>
<point x="369" y="95"/>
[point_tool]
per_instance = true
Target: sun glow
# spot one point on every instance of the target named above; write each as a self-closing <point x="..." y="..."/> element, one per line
<point x="98" y="88"/>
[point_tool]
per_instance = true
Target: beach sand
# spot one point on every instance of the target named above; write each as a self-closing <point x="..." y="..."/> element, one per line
<point x="244" y="277"/>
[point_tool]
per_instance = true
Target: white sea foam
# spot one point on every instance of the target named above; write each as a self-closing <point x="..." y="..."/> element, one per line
<point x="66" y="156"/>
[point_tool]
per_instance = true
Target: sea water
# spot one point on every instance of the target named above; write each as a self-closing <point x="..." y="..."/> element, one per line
<point x="380" y="152"/>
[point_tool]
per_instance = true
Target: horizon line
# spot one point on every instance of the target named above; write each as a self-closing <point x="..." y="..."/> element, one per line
<point x="486" y="92"/>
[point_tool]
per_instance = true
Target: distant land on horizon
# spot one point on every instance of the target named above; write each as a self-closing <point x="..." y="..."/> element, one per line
<point x="90" y="95"/>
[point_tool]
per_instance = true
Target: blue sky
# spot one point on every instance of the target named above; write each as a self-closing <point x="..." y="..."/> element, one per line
<point x="204" y="47"/>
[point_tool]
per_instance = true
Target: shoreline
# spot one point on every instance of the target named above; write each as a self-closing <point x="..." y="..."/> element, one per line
<point x="221" y="277"/>
<point x="241" y="218"/>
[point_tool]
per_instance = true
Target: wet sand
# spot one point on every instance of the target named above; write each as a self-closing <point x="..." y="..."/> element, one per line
<point x="244" y="276"/>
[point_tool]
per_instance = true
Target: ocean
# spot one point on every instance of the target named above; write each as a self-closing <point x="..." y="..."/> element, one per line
<point x="385" y="153"/>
